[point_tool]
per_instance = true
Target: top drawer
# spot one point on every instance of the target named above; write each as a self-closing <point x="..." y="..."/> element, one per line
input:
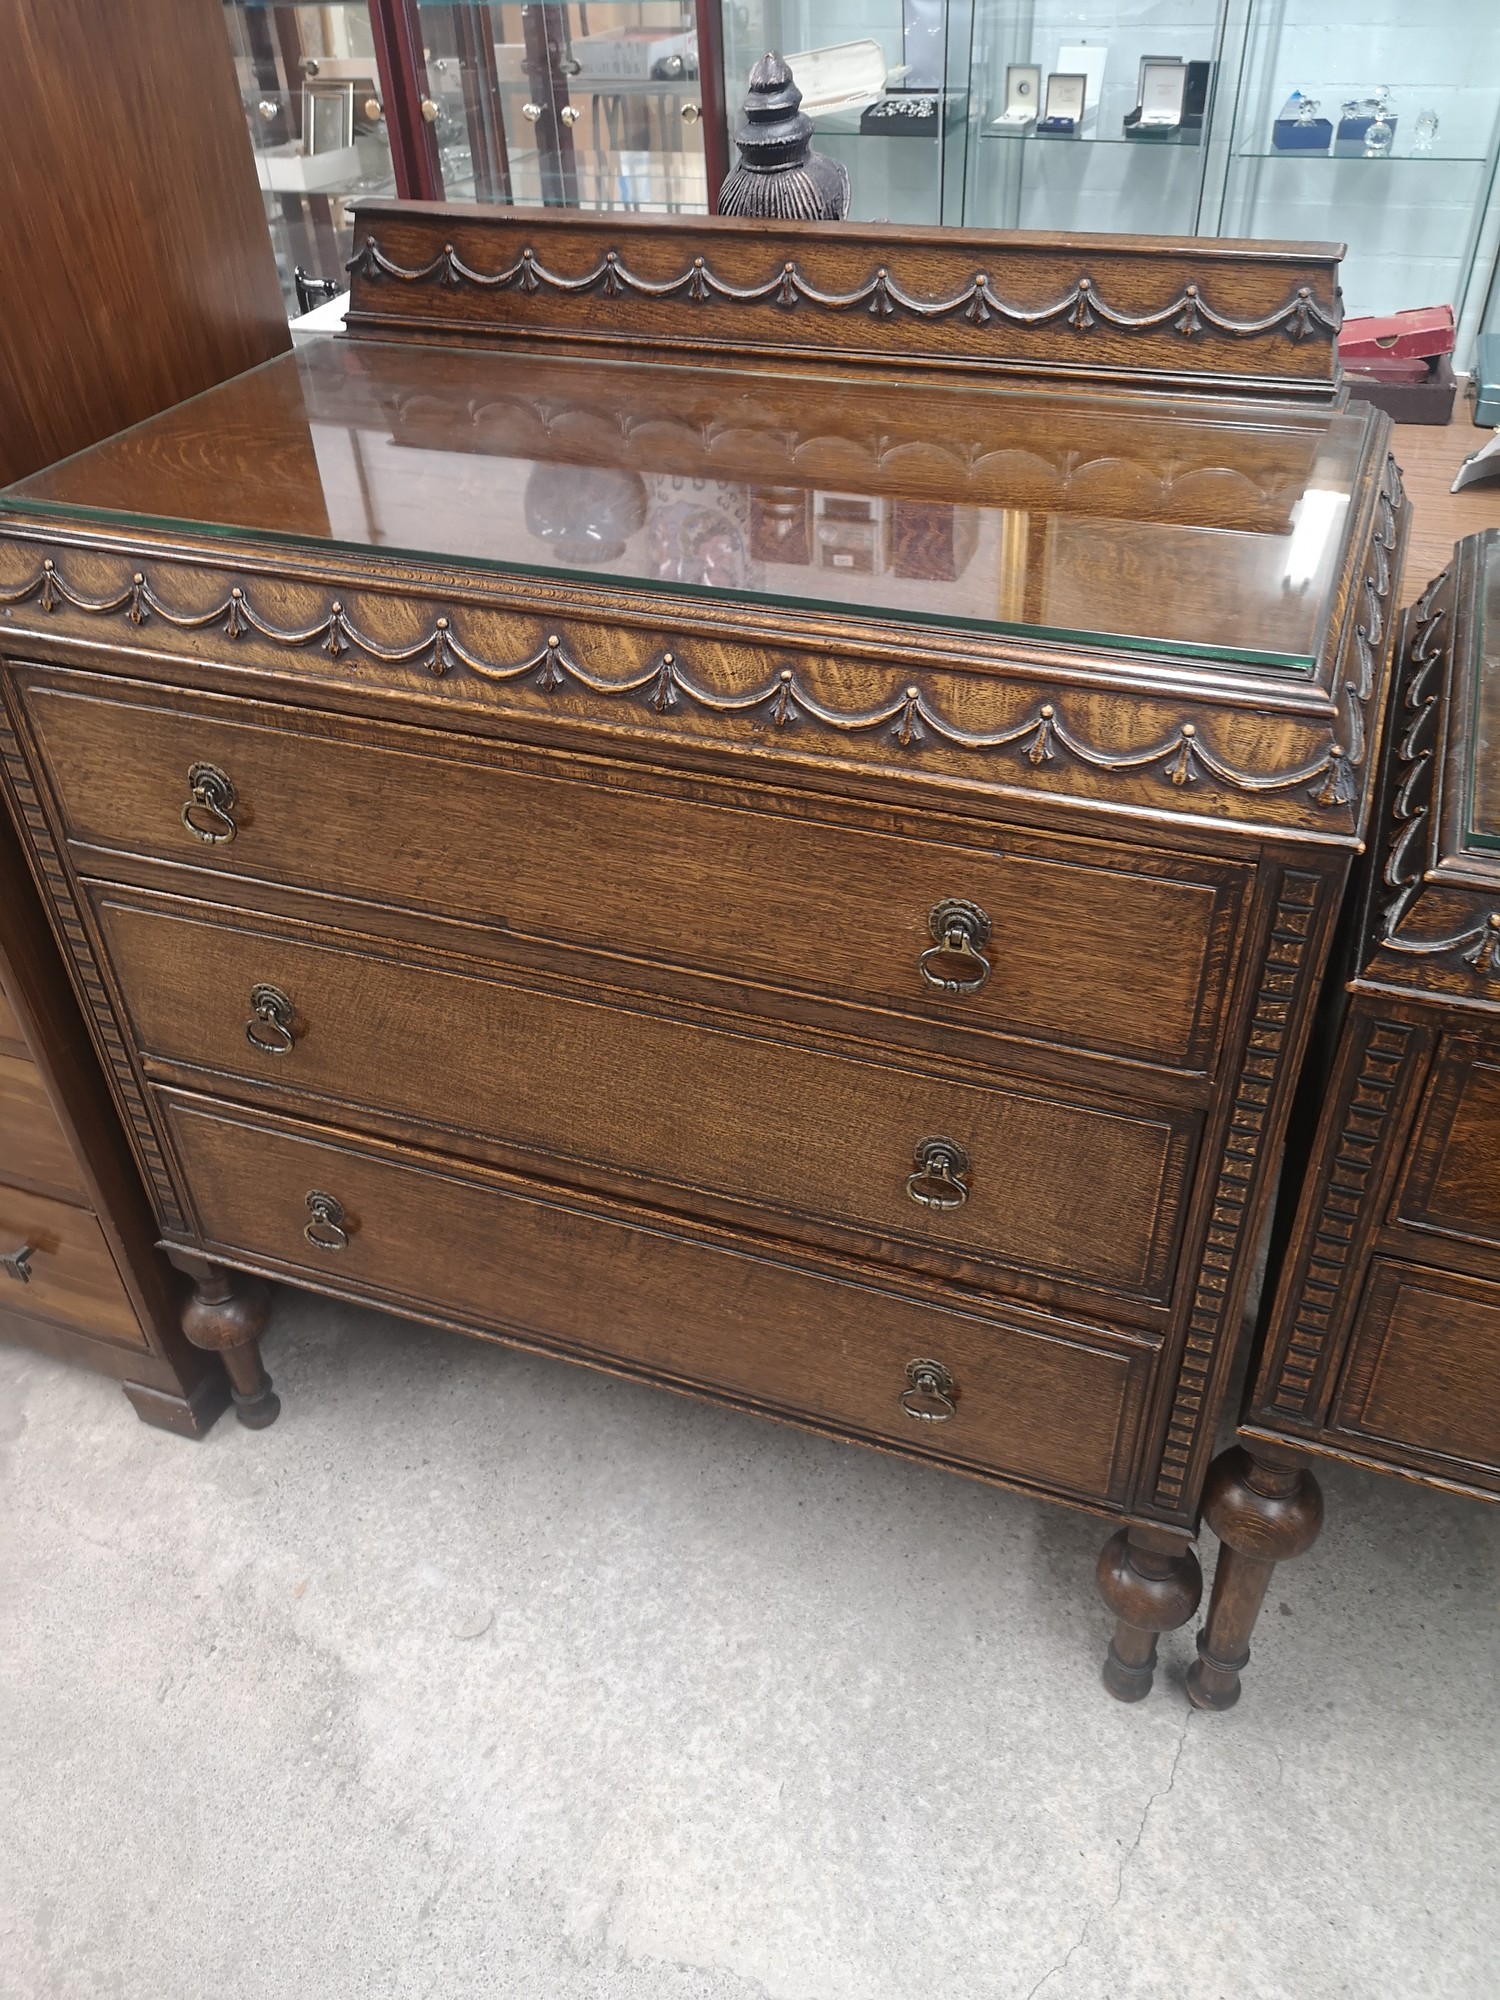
<point x="1093" y="947"/>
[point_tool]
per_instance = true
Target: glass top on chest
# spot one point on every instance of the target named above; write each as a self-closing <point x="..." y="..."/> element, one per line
<point x="1216" y="530"/>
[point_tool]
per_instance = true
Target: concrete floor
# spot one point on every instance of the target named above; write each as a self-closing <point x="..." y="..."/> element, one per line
<point x="750" y="1714"/>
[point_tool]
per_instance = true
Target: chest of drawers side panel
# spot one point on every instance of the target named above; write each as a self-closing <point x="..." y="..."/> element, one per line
<point x="36" y="823"/>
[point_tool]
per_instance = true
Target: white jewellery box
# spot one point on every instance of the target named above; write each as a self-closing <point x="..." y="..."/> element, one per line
<point x="1163" y="90"/>
<point x="1023" y="94"/>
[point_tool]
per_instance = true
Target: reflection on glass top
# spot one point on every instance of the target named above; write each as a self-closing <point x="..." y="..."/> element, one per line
<point x="1098" y="518"/>
<point x="1484" y="767"/>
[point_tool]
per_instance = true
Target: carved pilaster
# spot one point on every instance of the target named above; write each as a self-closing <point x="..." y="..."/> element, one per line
<point x="1349" y="1191"/>
<point x="1285" y="968"/>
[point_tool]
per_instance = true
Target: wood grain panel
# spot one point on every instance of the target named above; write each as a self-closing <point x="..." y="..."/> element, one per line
<point x="10" y="1028"/>
<point x="1423" y="1372"/>
<point x="1429" y="455"/>
<point x="1181" y="310"/>
<point x="33" y="1146"/>
<point x="1451" y="1182"/>
<point x="1096" y="947"/>
<point x="73" y="1277"/>
<point x="1058" y="1411"/>
<point x="137" y="265"/>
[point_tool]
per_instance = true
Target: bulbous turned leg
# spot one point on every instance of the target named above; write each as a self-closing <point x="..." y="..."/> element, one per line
<point x="1150" y="1579"/>
<point x="1265" y="1509"/>
<point x="227" y="1315"/>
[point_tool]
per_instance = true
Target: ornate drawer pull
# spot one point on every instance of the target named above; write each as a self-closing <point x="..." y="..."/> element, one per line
<point x="17" y="1263"/>
<point x="326" y="1230"/>
<point x="211" y="796"/>
<point x="931" y="1394"/>
<point x="269" y="1028"/>
<point x="937" y="1181"/>
<point x="958" y="929"/>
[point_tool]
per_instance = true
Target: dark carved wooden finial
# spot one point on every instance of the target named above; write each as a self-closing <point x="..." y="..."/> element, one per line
<point x="779" y="177"/>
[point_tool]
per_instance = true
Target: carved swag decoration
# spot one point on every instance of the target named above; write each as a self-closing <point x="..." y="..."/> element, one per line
<point x="1082" y="307"/>
<point x="1477" y="945"/>
<point x="1184" y="757"/>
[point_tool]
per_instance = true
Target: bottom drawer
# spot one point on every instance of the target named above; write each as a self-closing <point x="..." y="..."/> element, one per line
<point x="1422" y="1377"/>
<point x="69" y="1274"/>
<point x="697" y="1309"/>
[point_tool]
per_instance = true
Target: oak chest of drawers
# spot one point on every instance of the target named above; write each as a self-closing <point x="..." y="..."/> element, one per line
<point x="1381" y="1342"/>
<point x="683" y="797"/>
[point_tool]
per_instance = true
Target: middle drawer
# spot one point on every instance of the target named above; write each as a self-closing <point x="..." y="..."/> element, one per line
<point x="915" y="1164"/>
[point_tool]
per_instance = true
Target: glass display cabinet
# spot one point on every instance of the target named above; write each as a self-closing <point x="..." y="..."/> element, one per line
<point x="886" y="84"/>
<point x="1130" y="87"/>
<point x="1269" y="119"/>
<point x="1378" y="128"/>
<point x="588" y="106"/>
<point x="315" y="105"/>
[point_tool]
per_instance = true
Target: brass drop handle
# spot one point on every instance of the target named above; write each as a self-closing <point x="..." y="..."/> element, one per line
<point x="570" y="115"/>
<point x="531" y="110"/>
<point x="270" y="1026"/>
<point x="325" y="1230"/>
<point x="211" y="797"/>
<point x="937" y="1181"/>
<point x="931" y="1394"/>
<point x="17" y="1263"/>
<point x="957" y="929"/>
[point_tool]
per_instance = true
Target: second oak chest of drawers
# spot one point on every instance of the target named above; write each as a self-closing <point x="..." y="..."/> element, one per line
<point x="777" y="848"/>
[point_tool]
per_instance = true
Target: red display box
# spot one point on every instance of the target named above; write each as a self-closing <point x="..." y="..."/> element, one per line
<point x="1403" y="336"/>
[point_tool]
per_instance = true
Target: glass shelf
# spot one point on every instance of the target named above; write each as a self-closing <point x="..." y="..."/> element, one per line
<point x="1436" y="158"/>
<point x="1413" y="238"/>
<point x="639" y="182"/>
<point x="1012" y="137"/>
